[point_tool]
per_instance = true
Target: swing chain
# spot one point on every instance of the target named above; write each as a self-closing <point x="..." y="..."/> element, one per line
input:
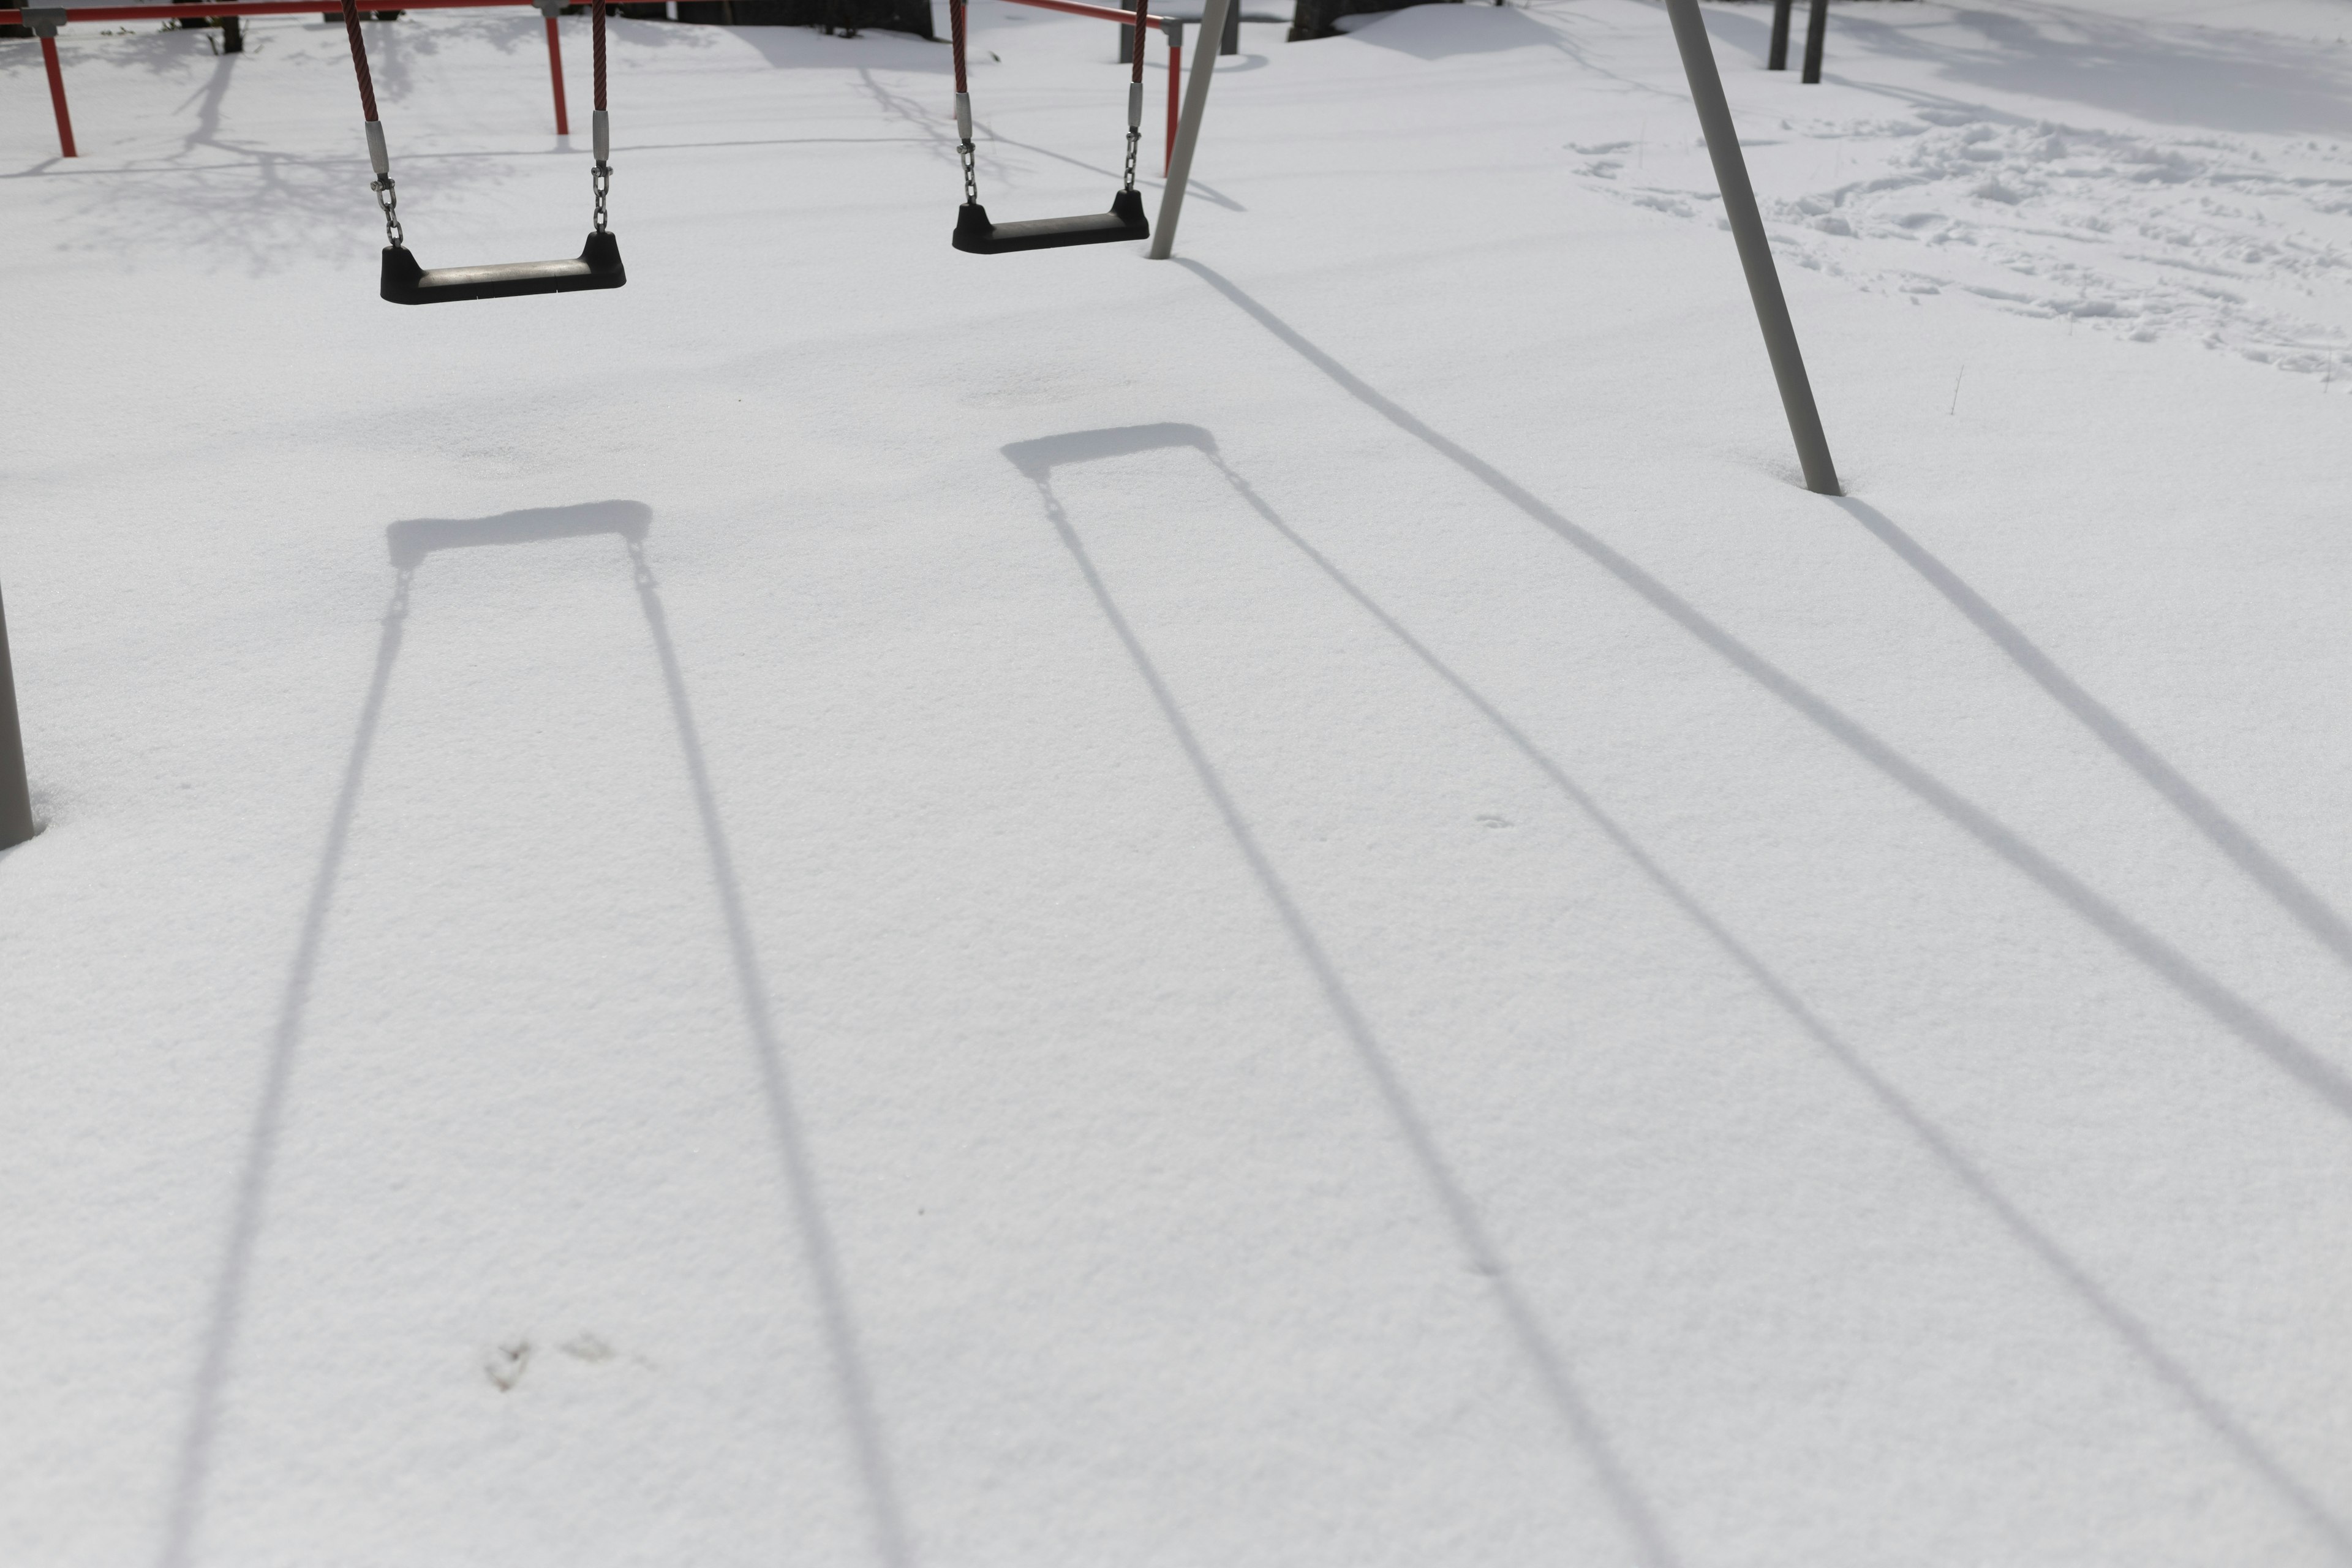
<point x="1133" y="135"/>
<point x="970" y="185"/>
<point x="602" y="179"/>
<point x="389" y="200"/>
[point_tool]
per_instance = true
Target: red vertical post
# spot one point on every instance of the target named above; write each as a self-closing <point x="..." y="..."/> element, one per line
<point x="1175" y="75"/>
<point x="57" y="93"/>
<point x="555" y="74"/>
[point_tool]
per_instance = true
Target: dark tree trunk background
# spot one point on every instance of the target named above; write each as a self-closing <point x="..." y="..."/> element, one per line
<point x="1313" y="18"/>
<point x="835" y="16"/>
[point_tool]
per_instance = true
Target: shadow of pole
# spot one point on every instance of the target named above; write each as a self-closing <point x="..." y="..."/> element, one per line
<point x="409" y="542"/>
<point x="1037" y="460"/>
<point x="181" y="1523"/>
<point x="2323" y="1078"/>
<point x="854" y="1385"/>
<point x="2128" y="1328"/>
<point x="2306" y="907"/>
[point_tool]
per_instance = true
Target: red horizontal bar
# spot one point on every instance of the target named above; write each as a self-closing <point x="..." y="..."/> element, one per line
<point x="258" y="9"/>
<point x="298" y="7"/>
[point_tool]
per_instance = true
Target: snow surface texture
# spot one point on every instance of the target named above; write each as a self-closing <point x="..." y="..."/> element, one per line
<point x="2179" y="229"/>
<point x="859" y="904"/>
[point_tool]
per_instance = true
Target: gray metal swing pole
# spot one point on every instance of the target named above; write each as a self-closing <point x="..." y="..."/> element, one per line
<point x="1187" y="129"/>
<point x="16" y="794"/>
<point x="1755" y="249"/>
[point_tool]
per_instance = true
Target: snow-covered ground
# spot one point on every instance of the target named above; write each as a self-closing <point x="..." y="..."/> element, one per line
<point x="860" y="904"/>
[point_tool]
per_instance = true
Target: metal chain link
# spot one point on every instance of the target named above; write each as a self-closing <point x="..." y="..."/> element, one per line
<point x="389" y="200"/>
<point x="970" y="185"/>
<point x="603" y="180"/>
<point x="1133" y="136"/>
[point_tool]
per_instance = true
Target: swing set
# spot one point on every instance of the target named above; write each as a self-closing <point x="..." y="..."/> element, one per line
<point x="598" y="265"/>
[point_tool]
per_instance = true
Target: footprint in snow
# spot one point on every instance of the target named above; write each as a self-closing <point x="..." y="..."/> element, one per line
<point x="505" y="1365"/>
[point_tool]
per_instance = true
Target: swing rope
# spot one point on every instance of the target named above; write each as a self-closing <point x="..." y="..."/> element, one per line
<point x="386" y="198"/>
<point x="601" y="178"/>
<point x="955" y="33"/>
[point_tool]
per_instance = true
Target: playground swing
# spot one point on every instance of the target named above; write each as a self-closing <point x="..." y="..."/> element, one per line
<point x="976" y="234"/>
<point x="598" y="265"/>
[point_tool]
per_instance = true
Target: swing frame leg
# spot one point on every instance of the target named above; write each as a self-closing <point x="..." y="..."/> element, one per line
<point x="1817" y="27"/>
<point x="1754" y="249"/>
<point x="1188" y="131"/>
<point x="49" y="63"/>
<point x="549" y="9"/>
<point x="16" y="823"/>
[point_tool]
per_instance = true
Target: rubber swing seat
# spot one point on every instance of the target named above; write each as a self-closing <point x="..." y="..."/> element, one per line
<point x="1125" y="220"/>
<point x="598" y="265"/>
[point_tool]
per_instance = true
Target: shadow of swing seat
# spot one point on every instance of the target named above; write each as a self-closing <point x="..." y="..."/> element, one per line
<point x="1125" y="220"/>
<point x="598" y="265"/>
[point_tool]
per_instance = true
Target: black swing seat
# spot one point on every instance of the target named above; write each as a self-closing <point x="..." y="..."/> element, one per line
<point x="974" y="233"/>
<point x="598" y="265"/>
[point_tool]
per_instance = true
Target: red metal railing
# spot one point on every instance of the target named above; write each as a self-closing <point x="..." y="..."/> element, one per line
<point x="50" y="18"/>
<point x="1173" y="30"/>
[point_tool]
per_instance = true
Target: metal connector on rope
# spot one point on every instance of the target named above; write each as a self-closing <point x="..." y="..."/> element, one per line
<point x="1134" y="106"/>
<point x="603" y="131"/>
<point x="386" y="198"/>
<point x="963" y="117"/>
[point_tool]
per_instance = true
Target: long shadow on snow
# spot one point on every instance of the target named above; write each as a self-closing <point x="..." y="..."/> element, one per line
<point x="1037" y="460"/>
<point x="2127" y="1327"/>
<point x="2322" y="1076"/>
<point x="2307" y="908"/>
<point x="412" y="542"/>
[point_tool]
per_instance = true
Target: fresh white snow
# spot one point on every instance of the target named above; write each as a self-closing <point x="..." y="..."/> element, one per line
<point x="1295" y="906"/>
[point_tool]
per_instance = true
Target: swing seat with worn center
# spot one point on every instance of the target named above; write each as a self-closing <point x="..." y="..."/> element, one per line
<point x="405" y="282"/>
<point x="973" y="231"/>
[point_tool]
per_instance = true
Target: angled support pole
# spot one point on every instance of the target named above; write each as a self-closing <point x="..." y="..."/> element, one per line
<point x="1755" y="249"/>
<point x="16" y="794"/>
<point x="1188" y="131"/>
